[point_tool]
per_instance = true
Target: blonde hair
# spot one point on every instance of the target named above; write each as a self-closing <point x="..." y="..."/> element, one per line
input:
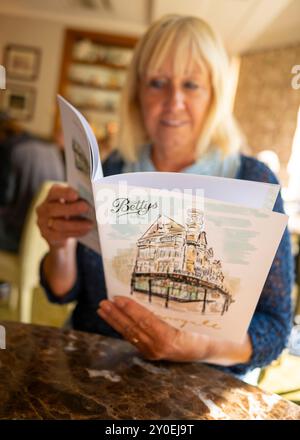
<point x="191" y="37"/>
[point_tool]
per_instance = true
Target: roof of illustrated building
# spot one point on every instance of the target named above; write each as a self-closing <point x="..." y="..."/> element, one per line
<point x="163" y="225"/>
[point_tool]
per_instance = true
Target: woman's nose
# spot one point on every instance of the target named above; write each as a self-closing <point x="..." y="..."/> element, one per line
<point x="176" y="98"/>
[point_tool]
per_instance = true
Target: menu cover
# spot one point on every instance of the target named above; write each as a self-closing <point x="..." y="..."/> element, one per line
<point x="195" y="250"/>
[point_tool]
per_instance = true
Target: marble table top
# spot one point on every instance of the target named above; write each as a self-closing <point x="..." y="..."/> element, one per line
<point x="48" y="373"/>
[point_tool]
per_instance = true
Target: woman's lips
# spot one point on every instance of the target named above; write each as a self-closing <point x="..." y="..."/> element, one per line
<point x="172" y="123"/>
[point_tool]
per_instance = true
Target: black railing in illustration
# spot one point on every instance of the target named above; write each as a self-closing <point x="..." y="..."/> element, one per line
<point x="187" y="289"/>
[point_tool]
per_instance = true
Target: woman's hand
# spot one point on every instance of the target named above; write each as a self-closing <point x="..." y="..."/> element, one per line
<point x="154" y="338"/>
<point x="60" y="224"/>
<point x="59" y="216"/>
<point x="157" y="340"/>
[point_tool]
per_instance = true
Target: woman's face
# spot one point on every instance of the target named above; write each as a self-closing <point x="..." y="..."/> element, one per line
<point x="174" y="107"/>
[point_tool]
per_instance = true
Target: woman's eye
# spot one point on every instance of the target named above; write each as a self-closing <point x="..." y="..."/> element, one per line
<point x="157" y="83"/>
<point x="191" y="85"/>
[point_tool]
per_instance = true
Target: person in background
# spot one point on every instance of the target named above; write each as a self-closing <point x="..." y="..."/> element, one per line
<point x="176" y="117"/>
<point x="25" y="163"/>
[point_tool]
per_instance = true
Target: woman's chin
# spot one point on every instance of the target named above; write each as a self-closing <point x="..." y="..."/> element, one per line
<point x="172" y="143"/>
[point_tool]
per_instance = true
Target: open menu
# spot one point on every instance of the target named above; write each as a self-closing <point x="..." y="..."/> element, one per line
<point x="196" y="250"/>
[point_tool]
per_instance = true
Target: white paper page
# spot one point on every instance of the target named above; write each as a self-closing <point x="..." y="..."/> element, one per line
<point x="79" y="163"/>
<point x="239" y="245"/>
<point x="241" y="192"/>
<point x="96" y="171"/>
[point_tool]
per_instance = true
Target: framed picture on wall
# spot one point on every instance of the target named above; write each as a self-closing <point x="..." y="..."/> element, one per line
<point x="18" y="101"/>
<point x="22" y="62"/>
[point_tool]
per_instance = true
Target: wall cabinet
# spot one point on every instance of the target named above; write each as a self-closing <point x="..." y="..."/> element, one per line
<point x="92" y="76"/>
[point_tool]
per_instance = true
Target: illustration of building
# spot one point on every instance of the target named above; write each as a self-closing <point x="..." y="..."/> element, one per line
<point x="175" y="263"/>
<point x="81" y="162"/>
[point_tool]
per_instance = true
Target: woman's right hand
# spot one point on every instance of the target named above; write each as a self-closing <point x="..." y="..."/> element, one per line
<point x="59" y="216"/>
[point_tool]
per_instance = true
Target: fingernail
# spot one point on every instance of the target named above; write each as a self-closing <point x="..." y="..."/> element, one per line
<point x="119" y="301"/>
<point x="105" y="306"/>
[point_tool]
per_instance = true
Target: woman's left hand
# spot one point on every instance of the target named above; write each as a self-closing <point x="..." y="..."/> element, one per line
<point x="154" y="338"/>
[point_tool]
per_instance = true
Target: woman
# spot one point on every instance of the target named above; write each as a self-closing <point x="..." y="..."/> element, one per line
<point x="175" y="117"/>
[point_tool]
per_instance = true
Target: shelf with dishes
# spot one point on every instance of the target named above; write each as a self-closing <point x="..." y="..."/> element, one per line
<point x="96" y="77"/>
<point x="94" y="86"/>
<point x="104" y="101"/>
<point x="99" y="64"/>
<point x="90" y="51"/>
<point x="93" y="75"/>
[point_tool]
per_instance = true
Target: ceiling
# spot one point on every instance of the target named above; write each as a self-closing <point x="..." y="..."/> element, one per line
<point x="245" y="25"/>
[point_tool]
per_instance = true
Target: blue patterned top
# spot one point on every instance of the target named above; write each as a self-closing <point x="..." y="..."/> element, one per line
<point x="271" y="323"/>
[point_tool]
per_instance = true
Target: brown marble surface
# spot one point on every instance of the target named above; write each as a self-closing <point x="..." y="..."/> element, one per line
<point x="47" y="373"/>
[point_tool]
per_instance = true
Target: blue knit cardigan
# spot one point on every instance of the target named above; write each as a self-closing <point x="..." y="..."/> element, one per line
<point x="271" y="323"/>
